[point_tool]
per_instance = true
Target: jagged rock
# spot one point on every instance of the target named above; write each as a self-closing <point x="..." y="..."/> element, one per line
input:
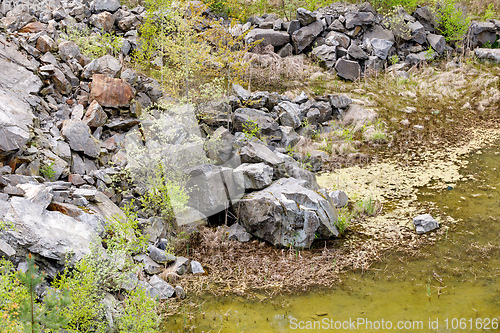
<point x="61" y="84"/>
<point x="481" y="33"/>
<point x="354" y="19"/>
<point x="106" y="5"/>
<point x="237" y="233"/>
<point x="160" y="256"/>
<point x="305" y="16"/>
<point x="336" y="26"/>
<point x="339" y="198"/>
<point x="335" y="38"/>
<point x="37" y="193"/>
<point x="356" y="52"/>
<point x="417" y="58"/>
<point x="160" y="288"/>
<point x="46" y="44"/>
<point x="179" y="292"/>
<point x="290" y="138"/>
<point x="417" y="32"/>
<point x="180" y="266"/>
<point x="288" y="214"/>
<point x="380" y="47"/>
<point x="103" y="21"/>
<point x="129" y="22"/>
<point x="13" y="190"/>
<point x="79" y="138"/>
<point x="241" y="92"/>
<point x="189" y="220"/>
<point x="213" y="188"/>
<point x="424" y="223"/>
<point x="488" y="54"/>
<point x="374" y="64"/>
<point x="288" y="113"/>
<point x="293" y="26"/>
<point x="426" y="17"/>
<point x="254" y="152"/>
<point x="267" y="125"/>
<point x="68" y="50"/>
<point x="326" y="54"/>
<point x="110" y="92"/>
<point x="196" y="267"/>
<point x="285" y="51"/>
<point x="95" y="115"/>
<point x="258" y="99"/>
<point x="357" y="115"/>
<point x="303" y="37"/>
<point x="256" y="176"/>
<point x="340" y="101"/>
<point x="33" y="27"/>
<point x="267" y="37"/>
<point x="378" y="32"/>
<point x="106" y="65"/>
<point x="437" y="42"/>
<point x="348" y="69"/>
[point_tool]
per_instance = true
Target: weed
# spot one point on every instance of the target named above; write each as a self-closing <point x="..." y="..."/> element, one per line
<point x="343" y="219"/>
<point x="47" y="171"/>
<point x="251" y="129"/>
<point x="453" y="22"/>
<point x="394" y="59"/>
<point x="94" y="45"/>
<point x="368" y="207"/>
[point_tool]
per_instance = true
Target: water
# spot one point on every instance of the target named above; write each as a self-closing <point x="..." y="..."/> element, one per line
<point x="452" y="287"/>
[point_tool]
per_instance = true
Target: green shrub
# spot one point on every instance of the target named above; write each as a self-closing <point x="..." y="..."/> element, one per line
<point x="251" y="129"/>
<point x="94" y="45"/>
<point x="12" y="294"/>
<point x="47" y="171"/>
<point x="139" y="313"/>
<point x="453" y="22"/>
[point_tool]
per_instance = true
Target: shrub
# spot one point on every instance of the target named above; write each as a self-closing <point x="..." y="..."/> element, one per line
<point x="94" y="45"/>
<point x="139" y="313"/>
<point x="47" y="171"/>
<point x="251" y="129"/>
<point x="453" y="22"/>
<point x="12" y="294"/>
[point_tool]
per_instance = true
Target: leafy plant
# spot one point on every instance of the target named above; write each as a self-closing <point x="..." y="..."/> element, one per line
<point x="47" y="171"/>
<point x="453" y="22"/>
<point x="343" y="219"/>
<point x="94" y="45"/>
<point x="368" y="207"/>
<point x="139" y="313"/>
<point x="251" y="129"/>
<point x="394" y="59"/>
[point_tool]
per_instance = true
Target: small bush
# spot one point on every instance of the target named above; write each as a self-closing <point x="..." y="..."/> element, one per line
<point x="47" y="171"/>
<point x="453" y="22"/>
<point x="94" y="45"/>
<point x="139" y="313"/>
<point x="251" y="129"/>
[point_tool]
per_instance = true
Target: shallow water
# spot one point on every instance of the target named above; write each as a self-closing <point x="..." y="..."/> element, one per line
<point x="453" y="287"/>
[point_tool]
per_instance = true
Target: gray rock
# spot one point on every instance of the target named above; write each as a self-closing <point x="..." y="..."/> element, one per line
<point x="336" y="25"/>
<point x="417" y="58"/>
<point x="68" y="50"/>
<point x="488" y="54"/>
<point x="159" y="256"/>
<point x="39" y="194"/>
<point x="180" y="266"/>
<point x="179" y="292"/>
<point x="302" y="98"/>
<point x="290" y="137"/>
<point x="78" y="135"/>
<point x="267" y="125"/>
<point x="285" y="51"/>
<point x="481" y="33"/>
<point x="267" y="37"/>
<point x="378" y="32"/>
<point x="254" y="152"/>
<point x="258" y="99"/>
<point x="160" y="288"/>
<point x="288" y="214"/>
<point x="347" y="69"/>
<point x="241" y="92"/>
<point x="305" y="16"/>
<point x="95" y="115"/>
<point x="426" y="17"/>
<point x="150" y="266"/>
<point x="339" y="198"/>
<point x="380" y="47"/>
<point x="256" y="176"/>
<point x="189" y="220"/>
<point x="356" y="52"/>
<point x="424" y="223"/>
<point x="358" y="116"/>
<point x="293" y="26"/>
<point x="437" y="42"/>
<point x="107" y="65"/>
<point x="303" y="37"/>
<point x="288" y="113"/>
<point x="335" y="38"/>
<point x="417" y="32"/>
<point x="374" y="64"/>
<point x="106" y="5"/>
<point x="326" y="54"/>
<point x="6" y="249"/>
<point x="354" y="19"/>
<point x="340" y="101"/>
<point x="220" y="146"/>
<point x="237" y="233"/>
<point x="196" y="267"/>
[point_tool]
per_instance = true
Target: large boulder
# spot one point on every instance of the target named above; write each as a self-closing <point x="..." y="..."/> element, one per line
<point x="348" y="69"/>
<point x="288" y="113"/>
<point x="481" y="33"/>
<point x="288" y="214"/>
<point x="107" y="65"/>
<point x="110" y="92"/>
<point x="268" y="37"/>
<point x="488" y="54"/>
<point x="305" y="16"/>
<point x="303" y="37"/>
<point x="437" y="42"/>
<point x="354" y="19"/>
<point x="380" y="47"/>
<point x="326" y="54"/>
<point x="255" y="175"/>
<point x="78" y="135"/>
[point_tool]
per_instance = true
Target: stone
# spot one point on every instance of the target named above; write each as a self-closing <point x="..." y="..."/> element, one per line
<point x="426" y="17"/>
<point x="481" y="33"/>
<point x="293" y="26"/>
<point x="373" y="64"/>
<point x="103" y="21"/>
<point x="267" y="37"/>
<point x="424" y="223"/>
<point x="46" y="44"/>
<point x="220" y="146"/>
<point x="288" y="214"/>
<point x="180" y="266"/>
<point x="255" y="152"/>
<point x="417" y="32"/>
<point x="241" y="92"/>
<point x="68" y="50"/>
<point x="33" y="28"/>
<point x="78" y="135"/>
<point x="348" y="69"/>
<point x="161" y="289"/>
<point x="13" y="190"/>
<point x="106" y="6"/>
<point x="61" y="84"/>
<point x="488" y="54"/>
<point x="378" y="32"/>
<point x="285" y="51"/>
<point x="326" y="54"/>
<point x="256" y="175"/>
<point x="6" y="249"/>
<point x="414" y="59"/>
<point x="237" y="233"/>
<point x="267" y="125"/>
<point x="437" y="42"/>
<point x="189" y="220"/>
<point x="160" y="256"/>
<point x="39" y="194"/>
<point x="356" y="52"/>
<point x="95" y="115"/>
<point x="303" y="37"/>
<point x="179" y="292"/>
<point x="354" y="19"/>
<point x="335" y="38"/>
<point x="305" y="17"/>
<point x="336" y="25"/>
<point x="380" y="47"/>
<point x="107" y="65"/>
<point x="196" y="267"/>
<point x="129" y="22"/>
<point x="290" y="138"/>
<point x="340" y="101"/>
<point x="358" y="116"/>
<point x="150" y="266"/>
<point x="339" y="198"/>
<point x="110" y="92"/>
<point x="288" y="113"/>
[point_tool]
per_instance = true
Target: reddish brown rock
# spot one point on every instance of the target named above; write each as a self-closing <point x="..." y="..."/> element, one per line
<point x="110" y="92"/>
<point x="76" y="179"/>
<point x="33" y="27"/>
<point x="45" y="44"/>
<point x="95" y="115"/>
<point x="65" y="208"/>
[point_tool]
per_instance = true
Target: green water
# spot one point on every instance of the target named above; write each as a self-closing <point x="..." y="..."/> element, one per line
<point x="453" y="286"/>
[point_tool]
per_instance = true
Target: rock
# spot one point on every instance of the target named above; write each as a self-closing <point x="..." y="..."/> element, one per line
<point x="285" y="51"/>
<point x="189" y="220"/>
<point x="267" y="125"/>
<point x="267" y="37"/>
<point x="417" y="32"/>
<point x="348" y="69"/>
<point x="256" y="176"/>
<point x="160" y="256"/>
<point x="326" y="54"/>
<point x="374" y="64"/>
<point x="220" y="146"/>
<point x="106" y="6"/>
<point x="241" y="92"/>
<point x="293" y="26"/>
<point x="180" y="266"/>
<point x="46" y="44"/>
<point x="488" y="54"/>
<point x="103" y="21"/>
<point x="340" y="101"/>
<point x="150" y="266"/>
<point x="288" y="214"/>
<point x="79" y="138"/>
<point x="417" y="58"/>
<point x="106" y="65"/>
<point x="38" y="194"/>
<point x="110" y="92"/>
<point x="13" y="190"/>
<point x="237" y="233"/>
<point x="6" y="249"/>
<point x="213" y="188"/>
<point x="179" y="292"/>
<point x="49" y="234"/>
<point x="380" y="47"/>
<point x="424" y="223"/>
<point x="481" y="33"/>
<point x="437" y="42"/>
<point x="378" y="32"/>
<point x="338" y="39"/>
<point x="95" y="115"/>
<point x="358" y="116"/>
<point x="129" y="22"/>
<point x="196" y="267"/>
<point x="290" y="138"/>
<point x="356" y="52"/>
<point x="288" y="113"/>
<point x="303" y="37"/>
<point x="33" y="28"/>
<point x="160" y="288"/>
<point x="68" y="50"/>
<point x="353" y="19"/>
<point x="337" y="26"/>
<point x="305" y="17"/>
<point x="254" y="152"/>
<point x="339" y="198"/>
<point x="61" y="84"/>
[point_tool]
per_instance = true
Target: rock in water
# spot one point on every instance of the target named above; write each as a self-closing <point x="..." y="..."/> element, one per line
<point x="424" y="223"/>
